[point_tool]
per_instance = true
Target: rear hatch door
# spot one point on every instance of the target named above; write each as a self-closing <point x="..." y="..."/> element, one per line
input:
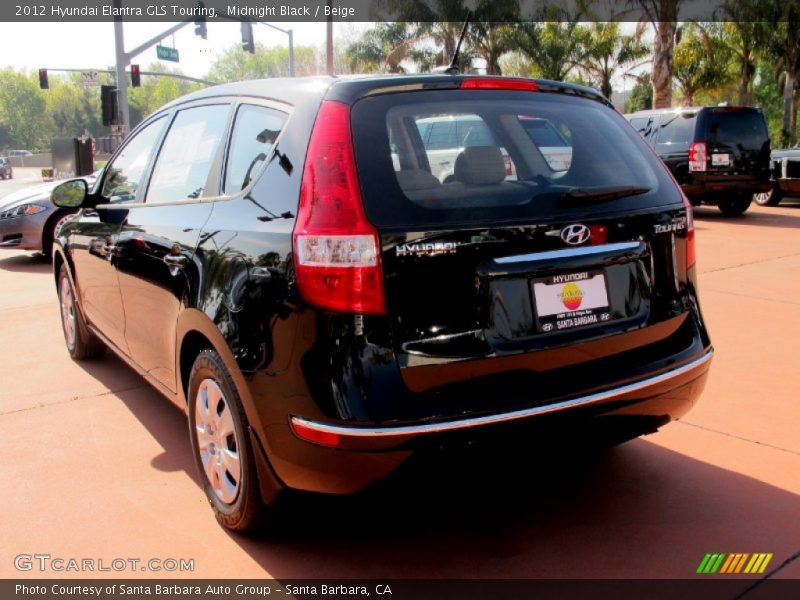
<point x="738" y="143"/>
<point x="484" y="270"/>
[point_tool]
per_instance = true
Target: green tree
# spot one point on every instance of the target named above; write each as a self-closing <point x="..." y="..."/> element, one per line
<point x="439" y="21"/>
<point x="554" y="48"/>
<point x="747" y="37"/>
<point x="234" y="64"/>
<point x="491" y="34"/>
<point x="641" y="96"/>
<point x="702" y="60"/>
<point x="607" y="50"/>
<point x="382" y="48"/>
<point x="155" y="92"/>
<point x="784" y="48"/>
<point x="72" y="108"/>
<point x="23" y="110"/>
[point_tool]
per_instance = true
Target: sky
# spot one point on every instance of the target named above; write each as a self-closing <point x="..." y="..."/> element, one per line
<point x="34" y="46"/>
<point x="91" y="45"/>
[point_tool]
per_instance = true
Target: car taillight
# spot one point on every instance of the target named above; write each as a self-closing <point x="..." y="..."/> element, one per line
<point x="336" y="250"/>
<point x="598" y="234"/>
<point x="690" y="251"/>
<point x="697" y="156"/>
<point x="498" y="83"/>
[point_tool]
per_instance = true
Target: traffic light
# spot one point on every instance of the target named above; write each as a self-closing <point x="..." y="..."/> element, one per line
<point x="136" y="77"/>
<point x="43" y="83"/>
<point x="200" y="22"/>
<point x="248" y="44"/>
<point x="108" y="103"/>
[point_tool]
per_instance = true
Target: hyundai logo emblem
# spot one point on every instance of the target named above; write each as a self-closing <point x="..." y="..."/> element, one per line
<point x="575" y="234"/>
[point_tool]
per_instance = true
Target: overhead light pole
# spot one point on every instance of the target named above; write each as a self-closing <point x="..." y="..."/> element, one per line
<point x="329" y="43"/>
<point x="122" y="77"/>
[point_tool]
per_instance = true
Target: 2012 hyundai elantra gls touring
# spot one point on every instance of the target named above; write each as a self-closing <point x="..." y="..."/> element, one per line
<point x="278" y="257"/>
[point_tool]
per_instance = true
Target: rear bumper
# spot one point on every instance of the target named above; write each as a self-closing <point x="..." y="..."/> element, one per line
<point x="365" y="454"/>
<point x="718" y="190"/>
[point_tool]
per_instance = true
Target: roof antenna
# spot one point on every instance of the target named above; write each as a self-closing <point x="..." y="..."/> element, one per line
<point x="453" y="68"/>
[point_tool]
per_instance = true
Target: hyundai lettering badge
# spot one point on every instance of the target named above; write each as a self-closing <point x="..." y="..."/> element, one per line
<point x="575" y="234"/>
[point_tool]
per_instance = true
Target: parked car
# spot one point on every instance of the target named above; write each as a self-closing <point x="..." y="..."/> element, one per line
<point x="785" y="175"/>
<point x="22" y="153"/>
<point x="323" y="313"/>
<point x="718" y="154"/>
<point x="29" y="220"/>
<point x="6" y="171"/>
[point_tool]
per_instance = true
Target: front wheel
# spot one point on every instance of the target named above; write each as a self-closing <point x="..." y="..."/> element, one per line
<point x="81" y="343"/>
<point x="51" y="228"/>
<point x="735" y="206"/>
<point x="770" y="198"/>
<point x="221" y="445"/>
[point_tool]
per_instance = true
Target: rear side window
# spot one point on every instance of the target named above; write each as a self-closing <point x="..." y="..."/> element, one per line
<point x="189" y="149"/>
<point x="254" y="133"/>
<point x="677" y="129"/>
<point x="642" y="125"/>
<point x="554" y="144"/>
<point x="732" y="126"/>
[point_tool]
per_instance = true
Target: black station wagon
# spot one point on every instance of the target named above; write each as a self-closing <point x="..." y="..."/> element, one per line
<point x="279" y="258"/>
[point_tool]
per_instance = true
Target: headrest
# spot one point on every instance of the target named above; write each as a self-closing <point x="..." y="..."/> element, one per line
<point x="416" y="179"/>
<point x="480" y="165"/>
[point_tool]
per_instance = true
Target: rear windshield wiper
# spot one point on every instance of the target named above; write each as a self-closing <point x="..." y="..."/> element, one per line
<point x="599" y="194"/>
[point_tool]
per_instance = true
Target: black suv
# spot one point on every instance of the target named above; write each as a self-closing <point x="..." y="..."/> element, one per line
<point x="720" y="155"/>
<point x="278" y="257"/>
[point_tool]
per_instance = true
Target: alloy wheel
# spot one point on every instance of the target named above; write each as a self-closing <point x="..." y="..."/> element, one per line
<point x="68" y="313"/>
<point x="216" y="441"/>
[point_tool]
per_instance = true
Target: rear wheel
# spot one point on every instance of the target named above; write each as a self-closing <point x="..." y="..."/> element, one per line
<point x="221" y="444"/>
<point x="736" y="205"/>
<point x="81" y="343"/>
<point x="770" y="198"/>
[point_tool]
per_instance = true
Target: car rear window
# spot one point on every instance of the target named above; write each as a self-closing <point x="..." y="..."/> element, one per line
<point x="509" y="173"/>
<point x="737" y="125"/>
<point x="676" y="129"/>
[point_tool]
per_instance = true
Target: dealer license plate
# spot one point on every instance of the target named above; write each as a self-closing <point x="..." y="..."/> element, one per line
<point x="571" y="300"/>
<point x="720" y="160"/>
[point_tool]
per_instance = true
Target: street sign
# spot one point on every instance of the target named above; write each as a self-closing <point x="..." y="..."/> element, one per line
<point x="90" y="78"/>
<point x="167" y="53"/>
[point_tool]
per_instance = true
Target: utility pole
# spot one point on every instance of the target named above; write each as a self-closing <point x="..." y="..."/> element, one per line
<point x="122" y="76"/>
<point x="289" y="33"/>
<point x="329" y="43"/>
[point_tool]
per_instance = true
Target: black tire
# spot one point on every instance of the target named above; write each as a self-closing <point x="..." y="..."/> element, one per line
<point x="246" y="511"/>
<point x="735" y="206"/>
<point x="81" y="343"/>
<point x="770" y="198"/>
<point x="49" y="231"/>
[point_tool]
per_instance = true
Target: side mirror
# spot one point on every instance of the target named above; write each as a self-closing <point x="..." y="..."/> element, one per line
<point x="70" y="194"/>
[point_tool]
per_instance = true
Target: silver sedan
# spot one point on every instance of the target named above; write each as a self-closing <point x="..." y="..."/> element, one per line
<point x="29" y="220"/>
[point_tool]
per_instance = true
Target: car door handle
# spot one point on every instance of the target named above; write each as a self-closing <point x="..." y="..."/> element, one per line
<point x="178" y="261"/>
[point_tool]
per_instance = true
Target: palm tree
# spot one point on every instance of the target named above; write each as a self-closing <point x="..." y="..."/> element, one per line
<point x="554" y="48"/>
<point x="701" y="60"/>
<point x="491" y="33"/>
<point x="382" y="48"/>
<point x="746" y="35"/>
<point x="663" y="15"/>
<point x="607" y="50"/>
